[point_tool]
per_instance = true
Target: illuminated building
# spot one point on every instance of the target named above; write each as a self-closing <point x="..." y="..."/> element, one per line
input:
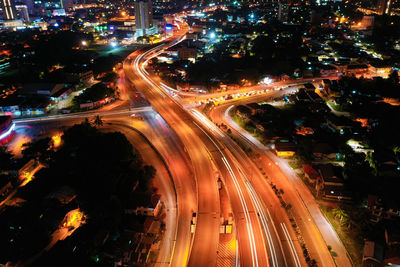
<point x="38" y="8"/>
<point x="283" y="11"/>
<point x="285" y="149"/>
<point x="22" y="12"/>
<point x="384" y="7"/>
<point x="53" y="4"/>
<point x="368" y="22"/>
<point x="144" y="18"/>
<point x="8" y="9"/>
<point x="7" y="128"/>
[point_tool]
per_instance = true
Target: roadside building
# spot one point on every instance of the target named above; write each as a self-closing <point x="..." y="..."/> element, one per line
<point x="372" y="254"/>
<point x="143" y="204"/>
<point x="380" y="69"/>
<point x="330" y="184"/>
<point x="79" y="75"/>
<point x="310" y="173"/>
<point x="285" y="149"/>
<point x="324" y="151"/>
<point x="357" y="69"/>
<point x="187" y="53"/>
<point x="339" y="124"/>
<point x="327" y="70"/>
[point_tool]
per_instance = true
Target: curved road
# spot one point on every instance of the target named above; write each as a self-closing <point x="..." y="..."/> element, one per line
<point x="316" y="230"/>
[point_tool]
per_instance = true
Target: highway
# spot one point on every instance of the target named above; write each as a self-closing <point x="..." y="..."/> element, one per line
<point x="203" y="250"/>
<point x="191" y="153"/>
<point x="283" y="248"/>
<point x="237" y="94"/>
<point x="316" y="231"/>
<point x="308" y="217"/>
<point x="206" y="152"/>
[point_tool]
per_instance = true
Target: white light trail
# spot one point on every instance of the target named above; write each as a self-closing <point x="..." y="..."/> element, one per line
<point x="246" y="213"/>
<point x="291" y="245"/>
<point x="207" y="122"/>
<point x="140" y="69"/>
<point x="242" y="202"/>
<point x="8" y="132"/>
<point x="264" y="222"/>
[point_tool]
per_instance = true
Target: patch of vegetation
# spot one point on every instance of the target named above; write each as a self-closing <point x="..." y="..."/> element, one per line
<point x="105" y="174"/>
<point x="95" y="93"/>
<point x="351" y="224"/>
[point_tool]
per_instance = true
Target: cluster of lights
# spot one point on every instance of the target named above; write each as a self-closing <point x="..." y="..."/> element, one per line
<point x="266" y="80"/>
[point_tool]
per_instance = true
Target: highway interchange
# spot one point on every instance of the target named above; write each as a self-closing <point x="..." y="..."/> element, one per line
<point x="190" y="153"/>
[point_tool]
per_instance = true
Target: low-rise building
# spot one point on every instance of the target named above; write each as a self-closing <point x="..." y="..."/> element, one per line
<point x="380" y="69"/>
<point x="339" y="124"/>
<point x="187" y="53"/>
<point x="357" y="69"/>
<point x="327" y="70"/>
<point x="324" y="150"/>
<point x="372" y="254"/>
<point x="142" y="205"/>
<point x="285" y="149"/>
<point x="330" y="184"/>
<point x="310" y="173"/>
<point x="79" y="75"/>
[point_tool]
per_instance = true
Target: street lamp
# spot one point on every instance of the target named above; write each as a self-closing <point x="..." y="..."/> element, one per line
<point x="212" y="35"/>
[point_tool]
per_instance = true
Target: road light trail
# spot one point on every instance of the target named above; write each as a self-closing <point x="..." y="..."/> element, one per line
<point x="264" y="223"/>
<point x="246" y="213"/>
<point x="210" y="125"/>
<point x="291" y="245"/>
<point x="83" y="115"/>
<point x="242" y="201"/>
<point x="253" y="256"/>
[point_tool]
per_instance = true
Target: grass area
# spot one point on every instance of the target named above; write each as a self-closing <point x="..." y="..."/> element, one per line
<point x="239" y="120"/>
<point x="348" y="234"/>
<point x="249" y="128"/>
<point x="335" y="107"/>
<point x="294" y="164"/>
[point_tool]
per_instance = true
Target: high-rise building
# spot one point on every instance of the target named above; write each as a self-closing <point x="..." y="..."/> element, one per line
<point x="22" y="12"/>
<point x="8" y="9"/>
<point x="384" y="7"/>
<point x="144" y="18"/>
<point x="283" y="12"/>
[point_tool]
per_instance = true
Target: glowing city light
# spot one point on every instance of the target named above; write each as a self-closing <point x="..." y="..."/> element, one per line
<point x="266" y="80"/>
<point x="8" y="132"/>
<point x="56" y="140"/>
<point x="74" y="219"/>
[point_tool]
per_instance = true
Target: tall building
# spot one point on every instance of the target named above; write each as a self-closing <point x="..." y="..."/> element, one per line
<point x="283" y="12"/>
<point x="8" y="9"/>
<point x="384" y="7"/>
<point x="144" y="18"/>
<point x="22" y="12"/>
